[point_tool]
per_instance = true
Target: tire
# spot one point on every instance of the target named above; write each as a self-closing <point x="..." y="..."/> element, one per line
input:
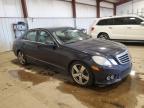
<point x="21" y="57"/>
<point x="81" y="75"/>
<point x="103" y="36"/>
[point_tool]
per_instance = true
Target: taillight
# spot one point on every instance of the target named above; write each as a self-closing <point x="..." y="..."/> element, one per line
<point x="92" y="29"/>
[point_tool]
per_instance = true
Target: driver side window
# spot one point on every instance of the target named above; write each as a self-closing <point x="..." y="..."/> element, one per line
<point x="44" y="37"/>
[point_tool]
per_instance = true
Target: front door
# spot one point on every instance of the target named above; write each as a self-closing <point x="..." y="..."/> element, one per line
<point x="48" y="49"/>
<point x="29" y="44"/>
<point x="135" y="30"/>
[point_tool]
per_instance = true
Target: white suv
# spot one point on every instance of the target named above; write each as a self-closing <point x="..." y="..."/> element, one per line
<point x="119" y="27"/>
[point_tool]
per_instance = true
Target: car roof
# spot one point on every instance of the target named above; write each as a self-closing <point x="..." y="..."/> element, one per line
<point x="53" y="28"/>
<point x="118" y="16"/>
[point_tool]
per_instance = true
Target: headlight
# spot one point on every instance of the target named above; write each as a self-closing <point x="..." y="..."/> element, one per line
<point x="101" y="61"/>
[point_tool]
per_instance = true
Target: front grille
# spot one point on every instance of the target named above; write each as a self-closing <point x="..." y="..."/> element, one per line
<point x="123" y="58"/>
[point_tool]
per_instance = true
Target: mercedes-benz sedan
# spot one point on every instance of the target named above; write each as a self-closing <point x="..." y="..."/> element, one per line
<point x="87" y="60"/>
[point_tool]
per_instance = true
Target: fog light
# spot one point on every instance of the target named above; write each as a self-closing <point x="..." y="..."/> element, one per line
<point x="108" y="78"/>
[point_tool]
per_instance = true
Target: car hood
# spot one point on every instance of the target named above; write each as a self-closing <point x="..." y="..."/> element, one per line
<point x="98" y="46"/>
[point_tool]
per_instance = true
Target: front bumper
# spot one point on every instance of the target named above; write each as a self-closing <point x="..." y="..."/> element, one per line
<point x="119" y="72"/>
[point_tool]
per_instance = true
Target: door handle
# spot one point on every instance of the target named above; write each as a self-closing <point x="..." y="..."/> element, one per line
<point x="40" y="45"/>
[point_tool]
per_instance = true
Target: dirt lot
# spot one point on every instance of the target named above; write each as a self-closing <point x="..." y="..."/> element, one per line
<point x="36" y="86"/>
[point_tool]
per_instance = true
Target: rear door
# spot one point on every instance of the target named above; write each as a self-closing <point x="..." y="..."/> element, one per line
<point x="119" y="29"/>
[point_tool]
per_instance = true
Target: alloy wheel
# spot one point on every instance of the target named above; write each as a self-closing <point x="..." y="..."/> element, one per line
<point x="80" y="74"/>
<point x="103" y="36"/>
<point x="21" y="58"/>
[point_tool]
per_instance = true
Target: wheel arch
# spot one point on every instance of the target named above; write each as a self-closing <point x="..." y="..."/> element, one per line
<point x="102" y="33"/>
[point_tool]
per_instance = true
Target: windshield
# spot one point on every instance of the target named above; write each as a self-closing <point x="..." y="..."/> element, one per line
<point x="70" y="35"/>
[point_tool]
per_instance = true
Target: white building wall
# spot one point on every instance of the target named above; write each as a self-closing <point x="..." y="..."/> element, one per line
<point x="85" y="11"/>
<point x="90" y="11"/>
<point x="11" y="9"/>
<point x="6" y="33"/>
<point x="105" y="12"/>
<point x="90" y="2"/>
<point x="133" y="7"/>
<point x="107" y="5"/>
<point x="84" y="23"/>
<point x="49" y="8"/>
<point x="106" y="9"/>
<point x="50" y="22"/>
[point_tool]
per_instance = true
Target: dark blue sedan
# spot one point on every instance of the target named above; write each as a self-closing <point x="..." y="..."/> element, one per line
<point x="85" y="59"/>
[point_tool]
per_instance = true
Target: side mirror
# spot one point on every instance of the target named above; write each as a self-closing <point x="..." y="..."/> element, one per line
<point x="142" y="23"/>
<point x="51" y="44"/>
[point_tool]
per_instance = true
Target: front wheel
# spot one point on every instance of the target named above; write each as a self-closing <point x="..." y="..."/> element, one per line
<point x="81" y="75"/>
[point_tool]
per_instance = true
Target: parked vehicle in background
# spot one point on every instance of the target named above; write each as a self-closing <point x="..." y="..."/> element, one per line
<point x="119" y="27"/>
<point x="86" y="60"/>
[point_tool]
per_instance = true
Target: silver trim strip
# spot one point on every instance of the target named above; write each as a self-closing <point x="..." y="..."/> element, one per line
<point x="38" y="42"/>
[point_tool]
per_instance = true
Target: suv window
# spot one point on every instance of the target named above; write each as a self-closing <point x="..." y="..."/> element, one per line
<point x="127" y="21"/>
<point x="105" y="22"/>
<point x="44" y="37"/>
<point x="120" y="21"/>
<point x="134" y="21"/>
<point x="31" y="35"/>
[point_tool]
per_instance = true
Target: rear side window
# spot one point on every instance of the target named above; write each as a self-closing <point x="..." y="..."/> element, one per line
<point x="120" y="21"/>
<point x="105" y="22"/>
<point x="31" y="35"/>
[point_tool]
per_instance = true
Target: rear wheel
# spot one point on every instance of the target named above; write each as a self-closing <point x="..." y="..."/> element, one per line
<point x="22" y="58"/>
<point x="103" y="36"/>
<point x="81" y="74"/>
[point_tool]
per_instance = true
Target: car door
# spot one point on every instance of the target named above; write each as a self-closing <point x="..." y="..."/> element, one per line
<point x="119" y="29"/>
<point x="48" y="49"/>
<point x="135" y="31"/>
<point x="29" y="44"/>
